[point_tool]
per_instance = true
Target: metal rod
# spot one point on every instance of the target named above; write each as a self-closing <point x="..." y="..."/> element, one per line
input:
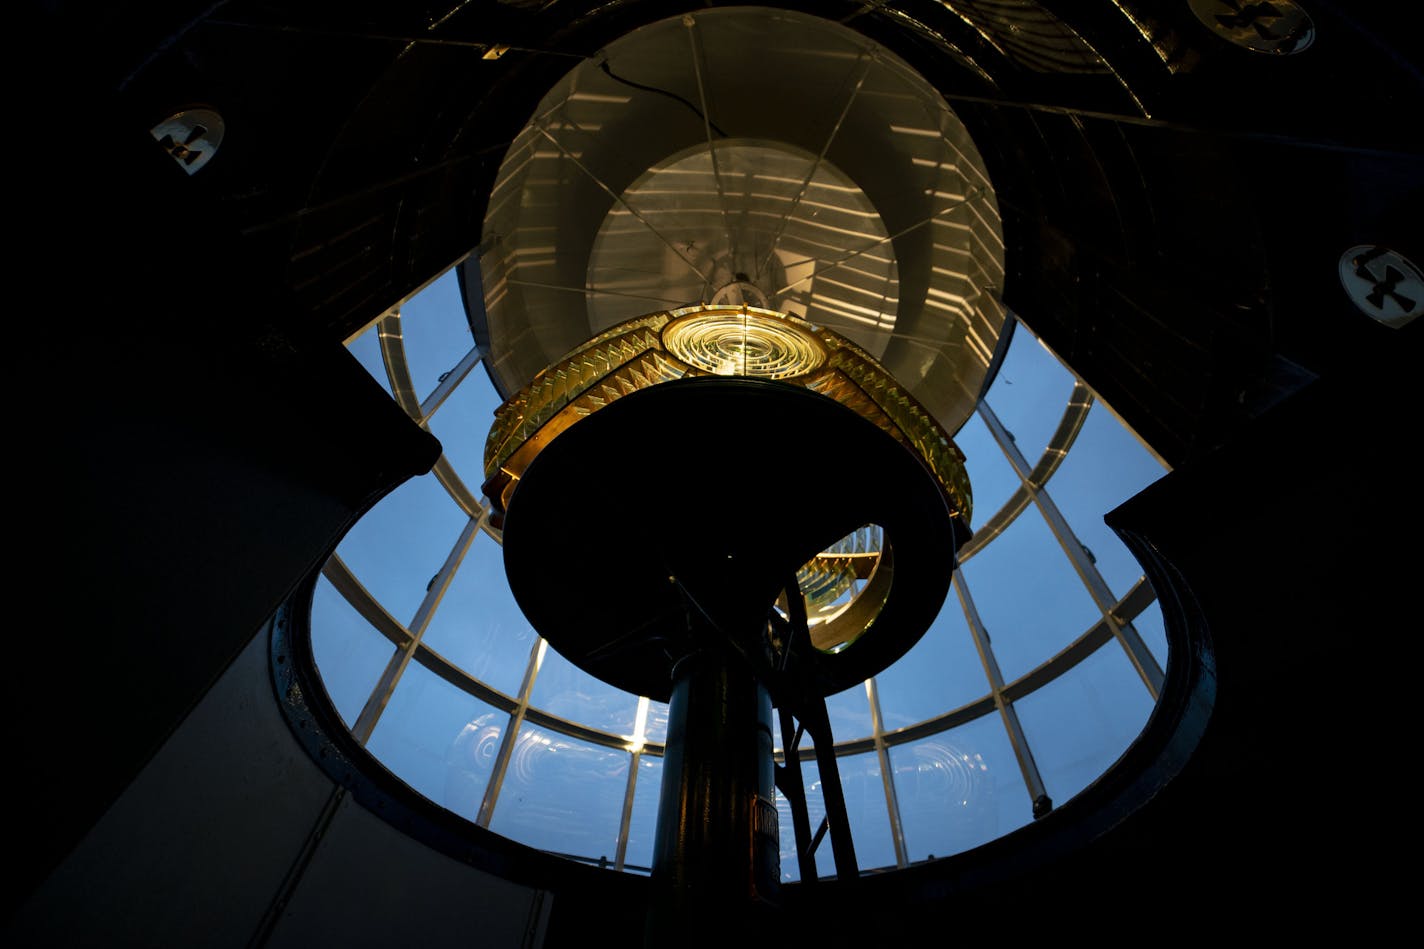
<point x="590" y="291"/>
<point x="626" y="820"/>
<point x="1017" y="739"/>
<point x="380" y="696"/>
<point x="882" y="752"/>
<point x="448" y="383"/>
<point x="1137" y="652"/>
<point x="361" y="600"/>
<point x="637" y="215"/>
<point x="388" y="331"/>
<point x="969" y="196"/>
<point x="863" y="62"/>
<point x="832" y="794"/>
<point x="511" y="735"/>
<point x="793" y="787"/>
<point x="820" y="834"/>
<point x="695" y="41"/>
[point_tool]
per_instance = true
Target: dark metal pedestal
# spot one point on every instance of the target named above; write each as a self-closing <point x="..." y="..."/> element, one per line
<point x="650" y="542"/>
<point x="716" y="856"/>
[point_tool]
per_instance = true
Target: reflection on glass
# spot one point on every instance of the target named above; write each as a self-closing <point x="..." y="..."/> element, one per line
<point x="866" y="810"/>
<point x="349" y="653"/>
<point x="643" y="823"/>
<point x="1080" y="723"/>
<point x="655" y="728"/>
<point x="478" y="626"/>
<point x="400" y="544"/>
<point x="990" y="473"/>
<point x="435" y="332"/>
<point x="563" y="795"/>
<point x="1030" y="393"/>
<point x="942" y="672"/>
<point x="564" y="689"/>
<point x="959" y="789"/>
<point x="816" y="809"/>
<point x="1028" y="595"/>
<point x="439" y="740"/>
<point x="1105" y="467"/>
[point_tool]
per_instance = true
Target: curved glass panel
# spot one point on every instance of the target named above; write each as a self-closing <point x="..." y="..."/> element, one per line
<point x="1105" y="467"/>
<point x="350" y="653"/>
<point x="1080" y="723"/>
<point x="563" y="795"/>
<point x="439" y="740"/>
<point x="401" y="543"/>
<point x="655" y="728"/>
<point x="1029" y="394"/>
<point x="942" y="672"/>
<point x="1030" y="599"/>
<point x="642" y="823"/>
<point x="864" y="791"/>
<point x="460" y="423"/>
<point x="564" y="689"/>
<point x="1149" y="626"/>
<point x="849" y="712"/>
<point x="478" y="626"/>
<point x="959" y="789"/>
<point x="992" y="477"/>
<point x="367" y="350"/>
<point x="435" y="332"/>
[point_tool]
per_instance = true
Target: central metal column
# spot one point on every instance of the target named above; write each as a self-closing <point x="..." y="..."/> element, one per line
<point x="716" y="857"/>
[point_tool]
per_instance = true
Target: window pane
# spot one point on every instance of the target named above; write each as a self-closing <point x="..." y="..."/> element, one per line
<point x="367" y="350"/>
<point x="1030" y="393"/>
<point x="849" y="712"/>
<point x="991" y="477"/>
<point x="816" y="809"/>
<point x="942" y="672"/>
<point x="478" y="626"/>
<point x="435" y="332"/>
<point x="563" y="795"/>
<point x="959" y="789"/>
<point x="1105" y="466"/>
<point x="643" y="823"/>
<point x="400" y="544"/>
<point x="1079" y="724"/>
<point x="1031" y="600"/>
<point x="565" y="690"/>
<point x="462" y="424"/>
<point x="655" y="728"/>
<point x="439" y="740"/>
<point x="1150" y="627"/>
<point x="867" y="811"/>
<point x="350" y="654"/>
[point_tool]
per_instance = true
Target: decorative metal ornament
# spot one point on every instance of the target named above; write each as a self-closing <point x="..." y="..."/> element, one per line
<point x="190" y="137"/>
<point x="1383" y="284"/>
<point x="1278" y="26"/>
